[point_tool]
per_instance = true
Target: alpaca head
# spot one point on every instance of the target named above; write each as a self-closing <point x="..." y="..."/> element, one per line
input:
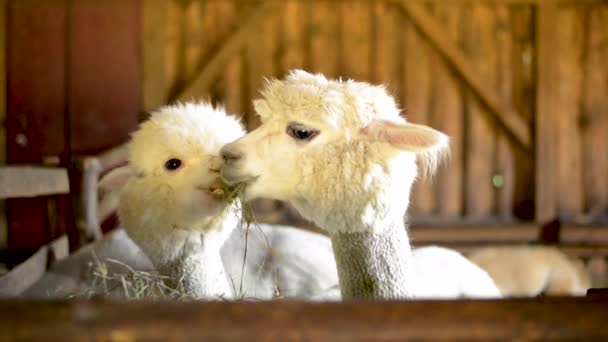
<point x="331" y="144"/>
<point x="172" y="181"/>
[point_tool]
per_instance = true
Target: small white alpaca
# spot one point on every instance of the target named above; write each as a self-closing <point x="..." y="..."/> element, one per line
<point x="172" y="206"/>
<point x="528" y="271"/>
<point x="343" y="156"/>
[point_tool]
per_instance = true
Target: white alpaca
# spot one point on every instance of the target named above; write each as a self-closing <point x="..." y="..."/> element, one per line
<point x="172" y="206"/>
<point x="340" y="153"/>
<point x="528" y="271"/>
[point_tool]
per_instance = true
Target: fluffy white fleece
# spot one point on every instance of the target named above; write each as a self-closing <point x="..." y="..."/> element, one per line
<point x="352" y="177"/>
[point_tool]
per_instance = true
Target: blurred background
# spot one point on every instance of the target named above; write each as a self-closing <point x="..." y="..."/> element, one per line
<point x="521" y="86"/>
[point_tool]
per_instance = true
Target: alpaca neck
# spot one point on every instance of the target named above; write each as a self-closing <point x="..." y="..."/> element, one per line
<point x="200" y="274"/>
<point x="374" y="264"/>
<point x="196" y="265"/>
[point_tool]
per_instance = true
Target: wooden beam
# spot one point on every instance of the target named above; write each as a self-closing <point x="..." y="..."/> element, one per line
<point x="25" y="274"/>
<point x="503" y="112"/>
<point x="32" y="181"/>
<point x="537" y="319"/>
<point x="154" y="82"/>
<point x="231" y="45"/>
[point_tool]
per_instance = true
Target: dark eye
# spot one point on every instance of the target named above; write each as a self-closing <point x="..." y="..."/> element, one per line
<point x="301" y="133"/>
<point x="173" y="164"/>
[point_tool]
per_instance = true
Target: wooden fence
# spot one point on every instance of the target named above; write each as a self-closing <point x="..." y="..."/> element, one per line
<point x="520" y="86"/>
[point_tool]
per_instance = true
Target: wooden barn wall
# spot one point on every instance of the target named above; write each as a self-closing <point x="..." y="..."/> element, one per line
<point x="222" y="50"/>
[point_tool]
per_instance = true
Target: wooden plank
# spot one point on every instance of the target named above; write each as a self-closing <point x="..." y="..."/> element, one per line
<point x="568" y="85"/>
<point x="356" y="37"/>
<point x="230" y="82"/>
<point x="104" y="72"/>
<point x="447" y="116"/>
<point x="522" y="94"/>
<point x="197" y="35"/>
<point x="294" y="49"/>
<point x="480" y="45"/>
<point x="25" y="274"/>
<point x="36" y="106"/>
<point x="32" y="181"/>
<point x="154" y="79"/>
<point x="416" y="100"/>
<point x="324" y="37"/>
<point x="546" y="163"/>
<point x="261" y="62"/>
<point x="595" y="113"/>
<point x="503" y="112"/>
<point x="231" y="45"/>
<point x="388" y="53"/>
<point x="503" y="179"/>
<point x="535" y="319"/>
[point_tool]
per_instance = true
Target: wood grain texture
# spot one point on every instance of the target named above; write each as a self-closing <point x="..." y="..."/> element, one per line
<point x="503" y="112"/>
<point x="416" y="101"/>
<point x="480" y="45"/>
<point x="546" y="163"/>
<point x="32" y="181"/>
<point x="513" y="319"/>
<point x="568" y="86"/>
<point x="230" y="81"/>
<point x="293" y="44"/>
<point x="356" y="40"/>
<point x="388" y="53"/>
<point x="594" y="118"/>
<point x="105" y="74"/>
<point x="154" y="79"/>
<point x="447" y="116"/>
<point x="261" y="62"/>
<point x="230" y="46"/>
<point x="324" y="38"/>
<point x="504" y="181"/>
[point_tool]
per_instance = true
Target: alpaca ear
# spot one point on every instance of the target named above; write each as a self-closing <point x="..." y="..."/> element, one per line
<point x="407" y="137"/>
<point x="116" y="179"/>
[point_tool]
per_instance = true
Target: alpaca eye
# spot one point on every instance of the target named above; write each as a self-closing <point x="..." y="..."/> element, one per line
<point x="173" y="164"/>
<point x="301" y="133"/>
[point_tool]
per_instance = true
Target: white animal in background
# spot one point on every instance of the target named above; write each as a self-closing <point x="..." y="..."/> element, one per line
<point x="172" y="206"/>
<point x="528" y="271"/>
<point x="342" y="155"/>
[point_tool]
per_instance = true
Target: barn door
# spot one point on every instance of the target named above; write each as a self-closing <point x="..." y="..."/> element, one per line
<point x="73" y="88"/>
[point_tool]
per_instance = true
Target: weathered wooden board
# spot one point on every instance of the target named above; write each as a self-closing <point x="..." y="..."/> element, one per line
<point x="155" y="86"/>
<point x="356" y="40"/>
<point x="104" y="72"/>
<point x="416" y="100"/>
<point x="31" y="181"/>
<point x="230" y="82"/>
<point x="480" y="45"/>
<point x="538" y="319"/>
<point x="594" y="116"/>
<point x="388" y="53"/>
<point x="447" y="115"/>
<point x="568" y="88"/>
<point x="324" y="37"/>
<point x="293" y="44"/>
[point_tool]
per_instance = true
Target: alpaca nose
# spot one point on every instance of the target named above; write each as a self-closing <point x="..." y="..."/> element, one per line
<point x="230" y="154"/>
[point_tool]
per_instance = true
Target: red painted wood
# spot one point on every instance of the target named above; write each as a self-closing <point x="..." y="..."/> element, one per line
<point x="35" y="105"/>
<point x="104" y="73"/>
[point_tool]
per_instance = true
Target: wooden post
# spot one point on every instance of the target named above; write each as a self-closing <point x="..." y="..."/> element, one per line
<point x="546" y="40"/>
<point x="294" y="34"/>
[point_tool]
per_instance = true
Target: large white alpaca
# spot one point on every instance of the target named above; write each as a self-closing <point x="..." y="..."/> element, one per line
<point x="173" y="207"/>
<point x="528" y="271"/>
<point x="343" y="156"/>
